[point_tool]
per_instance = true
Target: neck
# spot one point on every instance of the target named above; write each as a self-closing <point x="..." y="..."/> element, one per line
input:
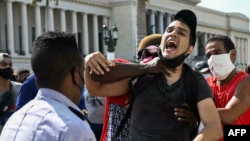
<point x="228" y="79"/>
<point x="175" y="76"/>
<point x="4" y="84"/>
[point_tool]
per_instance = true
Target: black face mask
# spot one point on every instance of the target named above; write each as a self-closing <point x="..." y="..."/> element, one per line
<point x="81" y="77"/>
<point x="6" y="73"/>
<point x="175" y="62"/>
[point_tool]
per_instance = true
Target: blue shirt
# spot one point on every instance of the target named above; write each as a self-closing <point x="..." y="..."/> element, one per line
<point x="29" y="90"/>
<point x="47" y="118"/>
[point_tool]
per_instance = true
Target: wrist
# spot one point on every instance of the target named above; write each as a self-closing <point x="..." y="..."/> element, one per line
<point x="146" y="68"/>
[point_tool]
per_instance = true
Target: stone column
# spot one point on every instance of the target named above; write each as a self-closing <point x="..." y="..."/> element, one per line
<point x="196" y="44"/>
<point x="152" y="22"/>
<point x="168" y="19"/>
<point x="10" y="29"/>
<point x="38" y="20"/>
<point x="62" y="20"/>
<point x="247" y="51"/>
<point x="25" y="36"/>
<point x="95" y="33"/>
<point x="242" y="51"/>
<point x="105" y="21"/>
<point x="161" y="24"/>
<point x="237" y="51"/>
<point x="74" y="24"/>
<point x="85" y="47"/>
<point x="51" y="19"/>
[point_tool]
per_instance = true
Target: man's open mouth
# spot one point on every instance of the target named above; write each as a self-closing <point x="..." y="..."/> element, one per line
<point x="171" y="45"/>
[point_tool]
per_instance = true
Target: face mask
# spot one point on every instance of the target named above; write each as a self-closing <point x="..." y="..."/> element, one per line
<point x="175" y="62"/>
<point x="6" y="73"/>
<point x="220" y="66"/>
<point x="81" y="77"/>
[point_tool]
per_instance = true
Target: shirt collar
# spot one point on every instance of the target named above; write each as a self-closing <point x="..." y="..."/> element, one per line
<point x="44" y="93"/>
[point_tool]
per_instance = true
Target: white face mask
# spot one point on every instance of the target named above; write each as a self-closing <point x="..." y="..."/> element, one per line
<point x="220" y="66"/>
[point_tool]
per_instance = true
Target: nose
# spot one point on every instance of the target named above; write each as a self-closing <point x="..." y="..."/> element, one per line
<point x="173" y="33"/>
<point x="6" y="64"/>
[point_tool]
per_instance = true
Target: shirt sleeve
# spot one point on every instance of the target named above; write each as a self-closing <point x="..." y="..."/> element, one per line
<point x="204" y="90"/>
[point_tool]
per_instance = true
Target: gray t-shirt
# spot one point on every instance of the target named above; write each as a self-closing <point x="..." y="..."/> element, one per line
<point x="95" y="107"/>
<point x="15" y="88"/>
<point x="152" y="116"/>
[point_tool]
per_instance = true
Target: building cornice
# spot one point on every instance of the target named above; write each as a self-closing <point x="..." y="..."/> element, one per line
<point x="92" y="3"/>
<point x="122" y="3"/>
<point x="231" y="29"/>
<point x="189" y="2"/>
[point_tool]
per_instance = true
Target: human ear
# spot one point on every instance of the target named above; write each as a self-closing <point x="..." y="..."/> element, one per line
<point x="233" y="55"/>
<point x="190" y="49"/>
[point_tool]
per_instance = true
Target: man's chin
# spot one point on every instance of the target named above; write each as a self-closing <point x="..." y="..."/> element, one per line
<point x="167" y="56"/>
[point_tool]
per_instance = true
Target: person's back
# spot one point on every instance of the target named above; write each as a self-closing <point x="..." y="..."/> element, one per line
<point x="46" y="119"/>
<point x="95" y="107"/>
<point x="29" y="90"/>
<point x="53" y="113"/>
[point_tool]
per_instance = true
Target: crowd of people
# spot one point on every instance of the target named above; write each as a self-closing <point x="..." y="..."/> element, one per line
<point x="71" y="97"/>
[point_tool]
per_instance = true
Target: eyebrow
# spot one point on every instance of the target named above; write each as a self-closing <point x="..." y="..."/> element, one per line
<point x="178" y="27"/>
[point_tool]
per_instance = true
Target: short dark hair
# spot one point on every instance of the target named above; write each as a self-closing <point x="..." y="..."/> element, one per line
<point x="228" y="43"/>
<point x="54" y="55"/>
<point x="22" y="71"/>
<point x="247" y="69"/>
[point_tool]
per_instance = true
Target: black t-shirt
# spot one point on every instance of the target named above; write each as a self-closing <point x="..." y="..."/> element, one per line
<point x="152" y="116"/>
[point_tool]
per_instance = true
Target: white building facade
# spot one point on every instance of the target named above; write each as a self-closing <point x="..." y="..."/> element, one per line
<point x="20" y="23"/>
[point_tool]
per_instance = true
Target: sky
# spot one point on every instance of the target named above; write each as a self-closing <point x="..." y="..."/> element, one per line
<point x="241" y="6"/>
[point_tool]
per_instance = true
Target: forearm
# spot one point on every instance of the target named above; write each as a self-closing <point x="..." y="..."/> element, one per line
<point x="210" y="133"/>
<point x="226" y="116"/>
<point x="97" y="88"/>
<point x="121" y="71"/>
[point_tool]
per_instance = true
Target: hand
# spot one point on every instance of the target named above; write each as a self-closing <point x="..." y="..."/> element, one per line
<point x="98" y="63"/>
<point x="157" y="66"/>
<point x="185" y="114"/>
<point x="127" y="104"/>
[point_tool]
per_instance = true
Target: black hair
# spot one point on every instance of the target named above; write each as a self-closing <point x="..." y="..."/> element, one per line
<point x="228" y="43"/>
<point x="22" y="71"/>
<point x="247" y="69"/>
<point x="53" y="57"/>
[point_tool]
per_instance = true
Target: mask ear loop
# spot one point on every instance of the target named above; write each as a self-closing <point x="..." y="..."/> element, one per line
<point x="73" y="78"/>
